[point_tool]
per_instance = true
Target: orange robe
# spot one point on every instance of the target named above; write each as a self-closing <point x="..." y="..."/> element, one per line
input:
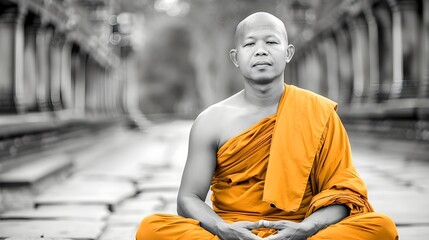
<point x="285" y="167"/>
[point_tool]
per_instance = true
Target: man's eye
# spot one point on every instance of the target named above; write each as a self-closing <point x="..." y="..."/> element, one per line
<point x="249" y="44"/>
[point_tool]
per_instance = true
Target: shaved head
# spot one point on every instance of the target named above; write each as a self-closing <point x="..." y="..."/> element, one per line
<point x="256" y="20"/>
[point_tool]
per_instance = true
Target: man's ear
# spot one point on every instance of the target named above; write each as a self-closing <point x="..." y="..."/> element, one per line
<point x="289" y="52"/>
<point x="233" y="56"/>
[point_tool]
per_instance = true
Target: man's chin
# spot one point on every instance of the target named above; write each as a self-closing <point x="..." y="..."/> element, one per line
<point x="263" y="79"/>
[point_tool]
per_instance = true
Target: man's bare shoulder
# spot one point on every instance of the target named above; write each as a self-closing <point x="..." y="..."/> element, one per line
<point x="211" y="120"/>
<point x="222" y="109"/>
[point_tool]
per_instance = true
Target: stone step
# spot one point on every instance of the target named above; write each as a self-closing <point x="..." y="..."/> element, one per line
<point x="51" y="229"/>
<point x="413" y="232"/>
<point x="119" y="233"/>
<point x="121" y="219"/>
<point x="36" y="170"/>
<point x="146" y="186"/>
<point x="85" y="191"/>
<point x="164" y="196"/>
<point x="20" y="185"/>
<point x="405" y="207"/>
<point x="137" y="206"/>
<point x="95" y="213"/>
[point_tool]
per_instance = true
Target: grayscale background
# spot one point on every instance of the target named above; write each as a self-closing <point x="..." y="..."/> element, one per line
<point x="97" y="98"/>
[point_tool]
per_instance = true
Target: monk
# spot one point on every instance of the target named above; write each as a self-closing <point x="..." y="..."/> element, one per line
<point x="277" y="159"/>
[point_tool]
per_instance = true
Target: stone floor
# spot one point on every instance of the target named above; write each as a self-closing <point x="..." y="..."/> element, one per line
<point x="110" y="192"/>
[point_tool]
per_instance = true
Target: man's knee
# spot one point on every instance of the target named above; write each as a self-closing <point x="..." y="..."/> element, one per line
<point x="148" y="226"/>
<point x="386" y="224"/>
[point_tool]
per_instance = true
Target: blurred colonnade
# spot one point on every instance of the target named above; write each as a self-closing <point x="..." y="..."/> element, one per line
<point x="60" y="73"/>
<point x="372" y="57"/>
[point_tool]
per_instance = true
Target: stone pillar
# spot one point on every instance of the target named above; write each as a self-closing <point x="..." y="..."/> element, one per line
<point x="405" y="48"/>
<point x="80" y="82"/>
<point x="91" y="80"/>
<point x="374" y="76"/>
<point x="31" y="65"/>
<point x="43" y="39"/>
<point x="313" y="81"/>
<point x="55" y="70"/>
<point x="321" y="61"/>
<point x="19" y="62"/>
<point x="8" y="27"/>
<point x="65" y="80"/>
<point x="424" y="62"/>
<point x="109" y="96"/>
<point x="360" y="59"/>
<point x="345" y="65"/>
<point x="331" y="59"/>
<point x="385" y="48"/>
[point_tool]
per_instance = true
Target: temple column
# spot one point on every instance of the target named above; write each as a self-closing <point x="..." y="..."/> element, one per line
<point x="31" y="65"/>
<point x="55" y="70"/>
<point x="331" y="59"/>
<point x="374" y="76"/>
<point x="80" y="82"/>
<point x="43" y="40"/>
<point x="8" y="29"/>
<point x="405" y="50"/>
<point x="345" y="67"/>
<point x="385" y="50"/>
<point x="424" y="62"/>
<point x="90" y="89"/>
<point x="360" y="60"/>
<point x="19" y="62"/>
<point x="66" y="80"/>
<point x="313" y="72"/>
<point x="321" y="60"/>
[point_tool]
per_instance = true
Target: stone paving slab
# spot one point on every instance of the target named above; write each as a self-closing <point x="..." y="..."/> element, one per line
<point x="88" y="191"/>
<point x="404" y="207"/>
<point x="51" y="229"/>
<point x="138" y="206"/>
<point x="128" y="174"/>
<point x="413" y="232"/>
<point x="30" y="238"/>
<point x="84" y="213"/>
<point x="36" y="170"/>
<point x="92" y="184"/>
<point x="157" y="186"/>
<point x="119" y="233"/>
<point x="79" y="207"/>
<point x="164" y="196"/>
<point x="162" y="174"/>
<point x="130" y="219"/>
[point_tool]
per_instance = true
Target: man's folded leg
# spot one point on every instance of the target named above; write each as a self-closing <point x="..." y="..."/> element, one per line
<point x="366" y="226"/>
<point x="172" y="227"/>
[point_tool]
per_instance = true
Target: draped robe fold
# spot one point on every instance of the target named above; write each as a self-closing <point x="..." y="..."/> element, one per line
<point x="285" y="167"/>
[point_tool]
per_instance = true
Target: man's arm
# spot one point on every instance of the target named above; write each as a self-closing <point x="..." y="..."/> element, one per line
<point x="197" y="176"/>
<point x="196" y="180"/>
<point x="317" y="221"/>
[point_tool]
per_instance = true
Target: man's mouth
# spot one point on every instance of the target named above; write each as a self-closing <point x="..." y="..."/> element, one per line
<point x="261" y="63"/>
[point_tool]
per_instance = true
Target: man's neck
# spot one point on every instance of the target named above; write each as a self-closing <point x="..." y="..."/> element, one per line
<point x="263" y="95"/>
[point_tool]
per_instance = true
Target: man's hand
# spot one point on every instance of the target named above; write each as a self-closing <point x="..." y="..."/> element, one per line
<point x="238" y="230"/>
<point x="288" y="230"/>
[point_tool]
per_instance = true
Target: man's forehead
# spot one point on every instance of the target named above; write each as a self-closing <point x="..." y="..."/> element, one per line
<point x="268" y="29"/>
<point x="260" y="21"/>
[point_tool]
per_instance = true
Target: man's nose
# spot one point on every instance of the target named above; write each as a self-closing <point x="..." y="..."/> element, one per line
<point x="260" y="51"/>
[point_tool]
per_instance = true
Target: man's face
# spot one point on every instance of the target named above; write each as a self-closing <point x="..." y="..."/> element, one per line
<point x="261" y="51"/>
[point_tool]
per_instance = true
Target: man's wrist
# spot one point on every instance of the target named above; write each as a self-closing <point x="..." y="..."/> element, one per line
<point x="311" y="228"/>
<point x="219" y="227"/>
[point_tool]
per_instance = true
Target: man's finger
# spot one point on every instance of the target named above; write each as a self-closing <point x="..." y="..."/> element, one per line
<point x="252" y="225"/>
<point x="275" y="224"/>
